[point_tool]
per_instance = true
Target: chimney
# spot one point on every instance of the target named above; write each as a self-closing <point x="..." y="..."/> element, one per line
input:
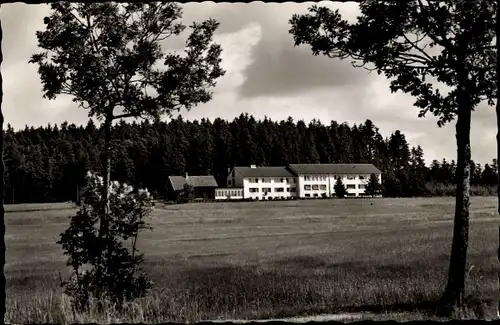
<point x="253" y="166"/>
<point x="187" y="176"/>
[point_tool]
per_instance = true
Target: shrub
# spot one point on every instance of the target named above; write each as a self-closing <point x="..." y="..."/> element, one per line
<point x="103" y="267"/>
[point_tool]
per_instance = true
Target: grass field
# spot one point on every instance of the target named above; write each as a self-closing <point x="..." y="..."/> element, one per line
<point x="267" y="260"/>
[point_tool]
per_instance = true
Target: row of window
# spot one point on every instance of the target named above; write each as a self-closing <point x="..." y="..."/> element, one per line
<point x="307" y="178"/>
<point x="268" y="180"/>
<point x="322" y="187"/>
<point x="317" y="195"/>
<point x="229" y="192"/>
<point x="324" y="178"/>
<point x="269" y="190"/>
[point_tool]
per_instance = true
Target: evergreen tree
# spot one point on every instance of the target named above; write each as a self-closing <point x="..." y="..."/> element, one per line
<point x="373" y="187"/>
<point x="339" y="188"/>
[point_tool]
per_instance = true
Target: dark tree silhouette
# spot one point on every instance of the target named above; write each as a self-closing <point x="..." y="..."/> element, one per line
<point x="104" y="56"/>
<point x="339" y="188"/>
<point x="411" y="42"/>
<point x="373" y="187"/>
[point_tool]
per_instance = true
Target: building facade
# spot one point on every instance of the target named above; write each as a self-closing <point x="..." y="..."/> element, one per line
<point x="263" y="183"/>
<point x="318" y="180"/>
<point x="300" y="180"/>
<point x="203" y="187"/>
<point x="229" y="194"/>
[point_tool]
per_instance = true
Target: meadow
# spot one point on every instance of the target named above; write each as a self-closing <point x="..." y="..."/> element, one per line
<point x="260" y="260"/>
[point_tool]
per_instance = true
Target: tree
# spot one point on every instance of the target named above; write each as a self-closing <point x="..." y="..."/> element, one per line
<point x="187" y="193"/>
<point x="339" y="188"/>
<point x="104" y="55"/>
<point x="411" y="43"/>
<point x="373" y="187"/>
<point x="123" y="280"/>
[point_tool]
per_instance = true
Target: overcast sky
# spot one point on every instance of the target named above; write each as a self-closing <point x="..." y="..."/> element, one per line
<point x="266" y="76"/>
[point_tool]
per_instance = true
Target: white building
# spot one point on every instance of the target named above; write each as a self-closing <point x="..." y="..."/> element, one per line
<point x="263" y="183"/>
<point x="317" y="180"/>
<point x="296" y="180"/>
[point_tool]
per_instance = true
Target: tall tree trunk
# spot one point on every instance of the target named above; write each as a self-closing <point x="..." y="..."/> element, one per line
<point x="455" y="288"/>
<point x="103" y="228"/>
<point x="2" y="184"/>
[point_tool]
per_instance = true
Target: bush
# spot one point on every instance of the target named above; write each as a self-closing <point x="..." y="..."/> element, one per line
<point x="103" y="266"/>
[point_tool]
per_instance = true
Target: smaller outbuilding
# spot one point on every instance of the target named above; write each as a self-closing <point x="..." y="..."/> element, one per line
<point x="203" y="187"/>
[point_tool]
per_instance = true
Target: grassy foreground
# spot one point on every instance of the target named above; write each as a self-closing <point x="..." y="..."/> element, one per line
<point x="268" y="260"/>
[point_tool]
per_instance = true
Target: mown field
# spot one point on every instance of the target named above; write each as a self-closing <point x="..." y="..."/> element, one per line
<point x="267" y="260"/>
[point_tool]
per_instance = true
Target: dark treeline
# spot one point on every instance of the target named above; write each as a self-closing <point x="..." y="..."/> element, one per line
<point x="48" y="164"/>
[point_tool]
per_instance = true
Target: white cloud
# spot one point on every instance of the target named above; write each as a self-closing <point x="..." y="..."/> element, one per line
<point x="255" y="42"/>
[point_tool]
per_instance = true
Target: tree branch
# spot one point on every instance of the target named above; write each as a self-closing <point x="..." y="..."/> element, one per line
<point x="444" y="42"/>
<point x="126" y="115"/>
<point x="429" y="58"/>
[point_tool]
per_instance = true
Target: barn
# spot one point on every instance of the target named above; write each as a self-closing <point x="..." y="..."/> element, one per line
<point x="203" y="186"/>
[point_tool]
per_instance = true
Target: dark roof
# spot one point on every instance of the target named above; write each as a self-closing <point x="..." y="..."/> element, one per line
<point x="273" y="171"/>
<point x="334" y="169"/>
<point x="178" y="182"/>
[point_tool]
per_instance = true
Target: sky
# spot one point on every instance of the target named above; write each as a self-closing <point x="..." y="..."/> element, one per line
<point x="266" y="76"/>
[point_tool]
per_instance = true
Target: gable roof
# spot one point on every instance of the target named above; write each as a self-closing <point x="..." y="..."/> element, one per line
<point x="178" y="182"/>
<point x="271" y="171"/>
<point x="340" y="169"/>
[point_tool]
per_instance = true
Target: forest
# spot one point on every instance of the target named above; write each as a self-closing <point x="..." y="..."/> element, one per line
<point x="49" y="164"/>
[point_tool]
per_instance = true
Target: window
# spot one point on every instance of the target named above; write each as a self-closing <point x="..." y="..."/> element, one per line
<point x="279" y="189"/>
<point x="335" y="177"/>
<point x="361" y="177"/>
<point x="293" y="180"/>
<point x="288" y="189"/>
<point x="266" y="190"/>
<point x="254" y="190"/>
<point x="307" y="195"/>
<point x="251" y="180"/>
<point x="229" y="183"/>
<point x="322" y="187"/>
<point x="281" y="180"/>
<point x="350" y="177"/>
<point x="350" y="187"/>
<point x="287" y="180"/>
<point x="315" y="194"/>
<point x="306" y="178"/>
<point x="362" y="186"/>
<point x="315" y="178"/>
<point x="293" y="189"/>
<point x="256" y="180"/>
<point x="307" y="187"/>
<point x="315" y="187"/>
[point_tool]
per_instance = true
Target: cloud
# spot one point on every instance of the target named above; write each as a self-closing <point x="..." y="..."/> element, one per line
<point x="266" y="76"/>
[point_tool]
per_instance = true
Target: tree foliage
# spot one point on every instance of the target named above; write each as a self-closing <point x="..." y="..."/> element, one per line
<point x="339" y="188"/>
<point x="418" y="45"/>
<point x="373" y="187"/>
<point x="422" y="47"/>
<point x="153" y="152"/>
<point x="109" y="58"/>
<point x="123" y="279"/>
<point x="107" y="55"/>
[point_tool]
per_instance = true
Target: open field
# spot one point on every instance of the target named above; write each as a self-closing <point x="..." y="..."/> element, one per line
<point x="267" y="259"/>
